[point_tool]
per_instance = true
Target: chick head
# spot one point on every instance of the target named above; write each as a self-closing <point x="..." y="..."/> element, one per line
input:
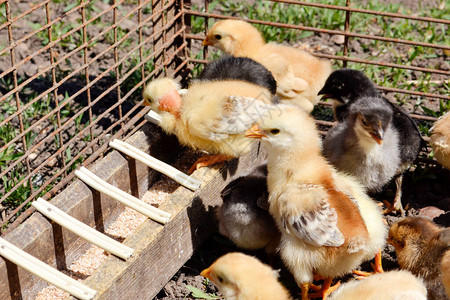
<point x="345" y="85"/>
<point x="231" y="35"/>
<point x="410" y="231"/>
<point x="285" y="126"/>
<point x="370" y="117"/>
<point x="236" y="274"/>
<point x="163" y="95"/>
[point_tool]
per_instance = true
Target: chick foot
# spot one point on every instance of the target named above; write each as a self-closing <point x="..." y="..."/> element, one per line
<point x="394" y="207"/>
<point x="398" y="195"/>
<point x="377" y="268"/>
<point x="208" y="160"/>
<point x="326" y="289"/>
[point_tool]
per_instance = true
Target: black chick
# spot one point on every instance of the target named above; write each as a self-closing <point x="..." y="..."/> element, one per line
<point x="244" y="217"/>
<point x="421" y="246"/>
<point x="239" y="68"/>
<point x="347" y="86"/>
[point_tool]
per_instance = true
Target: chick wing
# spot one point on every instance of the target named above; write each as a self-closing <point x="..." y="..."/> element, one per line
<point x="315" y="225"/>
<point x="239" y="114"/>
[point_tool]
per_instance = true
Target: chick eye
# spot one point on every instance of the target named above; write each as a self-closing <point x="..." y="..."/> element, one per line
<point x="275" y="131"/>
<point x="365" y="124"/>
<point x="220" y="279"/>
<point x="217" y="36"/>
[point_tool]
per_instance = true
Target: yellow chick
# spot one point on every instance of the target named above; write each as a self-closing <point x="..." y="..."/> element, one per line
<point x="440" y="140"/>
<point x="420" y="246"/>
<point x="210" y="116"/>
<point x="393" y="285"/>
<point x="328" y="225"/>
<point x="299" y="75"/>
<point x="242" y="277"/>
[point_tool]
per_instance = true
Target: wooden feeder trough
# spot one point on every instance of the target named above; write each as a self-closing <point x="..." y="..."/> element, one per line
<point x="159" y="250"/>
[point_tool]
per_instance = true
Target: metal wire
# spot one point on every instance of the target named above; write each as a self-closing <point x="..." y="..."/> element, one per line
<point x="161" y="37"/>
<point x="124" y="124"/>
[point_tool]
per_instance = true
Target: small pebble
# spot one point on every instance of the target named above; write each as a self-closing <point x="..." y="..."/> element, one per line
<point x="338" y="39"/>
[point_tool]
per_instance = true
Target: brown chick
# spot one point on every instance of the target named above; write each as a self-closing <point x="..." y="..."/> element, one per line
<point x="299" y="75"/>
<point x="328" y="225"/>
<point x="210" y="116"/>
<point x="244" y="217"/>
<point x="440" y="140"/>
<point x="393" y="285"/>
<point x="420" y="245"/>
<point x="445" y="270"/>
<point x="242" y="277"/>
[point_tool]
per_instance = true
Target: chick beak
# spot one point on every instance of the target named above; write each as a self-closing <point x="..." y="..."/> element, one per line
<point x="254" y="132"/>
<point x="207" y="42"/>
<point x="377" y="135"/>
<point x="207" y="273"/>
<point x="324" y="94"/>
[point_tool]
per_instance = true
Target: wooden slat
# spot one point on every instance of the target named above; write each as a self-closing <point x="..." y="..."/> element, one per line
<point x="160" y="251"/>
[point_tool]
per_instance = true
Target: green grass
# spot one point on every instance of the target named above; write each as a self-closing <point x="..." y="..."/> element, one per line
<point x="372" y="50"/>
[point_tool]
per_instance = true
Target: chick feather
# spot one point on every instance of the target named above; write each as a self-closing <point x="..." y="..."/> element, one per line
<point x="243" y="216"/>
<point x="299" y="75"/>
<point x="242" y="277"/>
<point x="420" y="246"/>
<point x="393" y="285"/>
<point x="239" y="68"/>
<point x="445" y="270"/>
<point x="328" y="224"/>
<point x="440" y="140"/>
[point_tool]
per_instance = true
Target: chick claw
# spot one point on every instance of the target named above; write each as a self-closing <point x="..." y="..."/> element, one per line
<point x="377" y="268"/>
<point x="326" y="289"/>
<point x="393" y="207"/>
<point x="208" y="160"/>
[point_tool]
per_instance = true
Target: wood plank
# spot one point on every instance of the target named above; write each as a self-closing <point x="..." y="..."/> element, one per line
<point x="59" y="247"/>
<point x="160" y="251"/>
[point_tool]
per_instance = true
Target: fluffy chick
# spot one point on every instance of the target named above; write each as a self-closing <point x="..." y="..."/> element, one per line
<point x="445" y="270"/>
<point x="393" y="285"/>
<point x="351" y="90"/>
<point x="440" y="140"/>
<point x="366" y="144"/>
<point x="420" y="246"/>
<point x="239" y="68"/>
<point x="244" y="217"/>
<point x="242" y="277"/>
<point x="328" y="224"/>
<point x="299" y="75"/>
<point x="211" y="115"/>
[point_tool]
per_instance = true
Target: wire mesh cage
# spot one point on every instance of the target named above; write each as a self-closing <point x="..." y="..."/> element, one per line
<point x="72" y="73"/>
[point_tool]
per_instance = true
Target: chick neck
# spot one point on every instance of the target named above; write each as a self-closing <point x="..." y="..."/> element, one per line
<point x="300" y="163"/>
<point x="248" y="46"/>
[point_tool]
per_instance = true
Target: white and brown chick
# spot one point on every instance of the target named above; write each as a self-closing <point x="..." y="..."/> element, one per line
<point x="392" y="285"/>
<point x="379" y="136"/>
<point x="420" y="246"/>
<point x="243" y="277"/>
<point x="328" y="225"/>
<point x="299" y="75"/>
<point x="244" y="217"/>
<point x="210" y="116"/>
<point x="440" y="140"/>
